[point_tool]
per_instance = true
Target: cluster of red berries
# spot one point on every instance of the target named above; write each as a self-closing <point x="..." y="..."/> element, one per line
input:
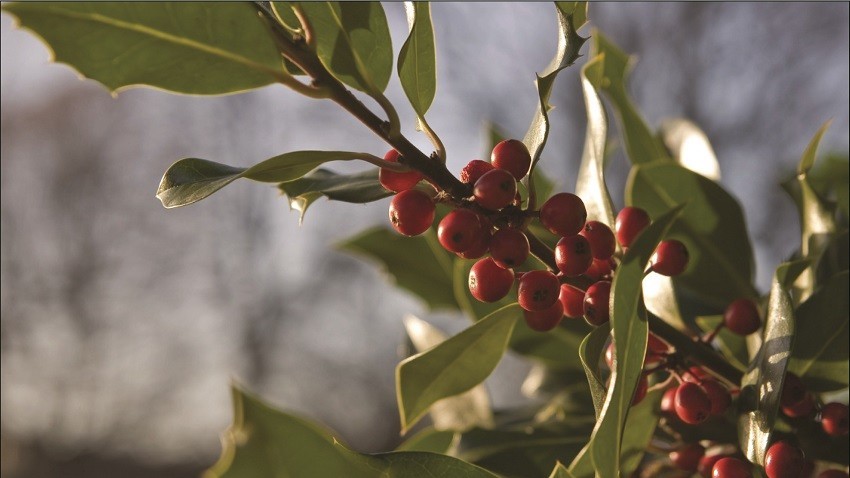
<point x="797" y="402"/>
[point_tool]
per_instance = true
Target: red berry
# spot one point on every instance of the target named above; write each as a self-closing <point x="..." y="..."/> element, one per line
<point x="696" y="374"/>
<point x="668" y="401"/>
<point x="395" y="181"/>
<point x="631" y="221"/>
<point x="601" y="239"/>
<point x="833" y="474"/>
<point x="596" y="303"/>
<point x="412" y="212"/>
<point x="802" y="409"/>
<point x="692" y="403"/>
<point x="656" y="349"/>
<point x="718" y="395"/>
<point x="538" y="290"/>
<point x="729" y="467"/>
<point x="610" y="356"/>
<point x="706" y="464"/>
<point x="687" y="458"/>
<point x="513" y="156"/>
<point x="793" y="391"/>
<point x="474" y="170"/>
<point x="495" y="189"/>
<point x="509" y="247"/>
<point x="573" y="301"/>
<point x="477" y="250"/>
<point x="488" y="282"/>
<point x="784" y="460"/>
<point x="670" y="258"/>
<point x="742" y="317"/>
<point x="545" y="320"/>
<point x="600" y="269"/>
<point x="563" y="214"/>
<point x="834" y="419"/>
<point x="572" y="255"/>
<point x="460" y="230"/>
<point x="640" y="391"/>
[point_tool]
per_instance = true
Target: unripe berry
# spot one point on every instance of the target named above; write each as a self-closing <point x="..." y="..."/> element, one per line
<point x="473" y="171"/>
<point x="596" y="303"/>
<point x="742" y="317"/>
<point x="784" y="460"/>
<point x="729" y="467"/>
<point x="538" y="290"/>
<point x="495" y="189"/>
<point x="395" y="181"/>
<point x="489" y="282"/>
<point x="834" y="419"/>
<point x="802" y="409"/>
<point x="718" y="395"/>
<point x="670" y="258"/>
<point x="411" y="212"/>
<point x="513" y="156"/>
<point x="600" y="238"/>
<point x="692" y="403"/>
<point x="793" y="390"/>
<point x="833" y="474"/>
<point x="687" y="458"/>
<point x="509" y="247"/>
<point x="563" y="214"/>
<point x="544" y="320"/>
<point x="460" y="230"/>
<point x="573" y="301"/>
<point x="640" y="391"/>
<point x="572" y="255"/>
<point x="600" y="269"/>
<point x="630" y="222"/>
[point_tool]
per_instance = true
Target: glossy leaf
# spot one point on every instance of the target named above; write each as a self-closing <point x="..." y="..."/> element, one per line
<point x="690" y="147"/>
<point x="641" y="145"/>
<point x="835" y="257"/>
<point x="732" y="346"/>
<point x="761" y="386"/>
<point x="356" y="188"/>
<point x="185" y="47"/>
<point x="659" y="296"/>
<point x="569" y="45"/>
<point x="711" y="226"/>
<point x="821" y="338"/>
<point x="630" y="332"/>
<point x="430" y="439"/>
<point x="454" y="366"/>
<point x="460" y="412"/>
<point x="353" y="42"/>
<point x="590" y="182"/>
<point x="561" y="471"/>
<point x="590" y="351"/>
<point x="191" y="179"/>
<point x="417" y="264"/>
<point x="417" y="59"/>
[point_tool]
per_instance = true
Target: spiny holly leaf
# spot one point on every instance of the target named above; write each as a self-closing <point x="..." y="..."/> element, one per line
<point x="418" y="264"/>
<point x="191" y="179"/>
<point x="590" y="351"/>
<point x="820" y="341"/>
<point x="630" y="332"/>
<point x="355" y="188"/>
<point x="590" y="183"/>
<point x="761" y="386"/>
<point x="264" y="442"/>
<point x="453" y="366"/>
<point x="461" y="412"/>
<point x="186" y="47"/>
<point x="642" y="146"/>
<point x="690" y="147"/>
<point x="569" y="44"/>
<point x="711" y="226"/>
<point x="353" y="42"/>
<point x="417" y="59"/>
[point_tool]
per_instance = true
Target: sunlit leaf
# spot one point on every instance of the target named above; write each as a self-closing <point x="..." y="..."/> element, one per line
<point x="417" y="59"/>
<point x="690" y="147"/>
<point x="659" y="296"/>
<point x="356" y="188"/>
<point x="185" y="47"/>
<point x="453" y="366"/>
<point x="590" y="351"/>
<point x="561" y="471"/>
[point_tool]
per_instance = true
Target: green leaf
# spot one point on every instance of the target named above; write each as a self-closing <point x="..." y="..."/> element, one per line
<point x="711" y="226"/>
<point x="561" y="471"/>
<point x="191" y="179"/>
<point x="417" y="60"/>
<point x="353" y="42"/>
<point x="630" y="332"/>
<point x="732" y="346"/>
<point x="569" y="45"/>
<point x="590" y="182"/>
<point x="285" y="15"/>
<point x="430" y="439"/>
<point x="820" y="354"/>
<point x="690" y="147"/>
<point x="590" y="350"/>
<point x="761" y="386"/>
<point x="417" y="264"/>
<point x="355" y="188"/>
<point x="641" y="145"/>
<point x="659" y="296"/>
<point x="454" y="366"/>
<point x="460" y="412"/>
<point x="185" y="47"/>
<point x="835" y="257"/>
